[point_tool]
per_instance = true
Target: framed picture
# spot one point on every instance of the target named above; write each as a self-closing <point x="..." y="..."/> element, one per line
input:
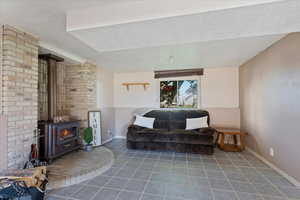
<point x="94" y="120"/>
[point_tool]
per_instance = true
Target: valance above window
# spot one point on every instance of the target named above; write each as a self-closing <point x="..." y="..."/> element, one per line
<point x="178" y="73"/>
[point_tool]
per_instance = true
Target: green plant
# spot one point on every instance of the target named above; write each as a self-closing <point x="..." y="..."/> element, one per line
<point x="88" y="135"/>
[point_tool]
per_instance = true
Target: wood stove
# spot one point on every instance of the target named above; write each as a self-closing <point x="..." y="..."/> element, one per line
<point x="56" y="138"/>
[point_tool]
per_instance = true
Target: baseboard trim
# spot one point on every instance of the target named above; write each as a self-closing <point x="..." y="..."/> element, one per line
<point x="271" y="165"/>
<point x="106" y="141"/>
<point x="119" y="137"/>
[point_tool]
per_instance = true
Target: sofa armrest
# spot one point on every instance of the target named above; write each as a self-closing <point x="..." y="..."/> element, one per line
<point x="210" y="131"/>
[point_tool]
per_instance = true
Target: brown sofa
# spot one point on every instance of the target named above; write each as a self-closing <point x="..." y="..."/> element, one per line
<point x="169" y="133"/>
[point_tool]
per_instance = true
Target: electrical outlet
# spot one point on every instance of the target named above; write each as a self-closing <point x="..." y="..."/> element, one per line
<point x="271" y="152"/>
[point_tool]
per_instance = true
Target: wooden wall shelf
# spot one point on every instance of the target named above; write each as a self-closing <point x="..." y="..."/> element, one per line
<point x="133" y="84"/>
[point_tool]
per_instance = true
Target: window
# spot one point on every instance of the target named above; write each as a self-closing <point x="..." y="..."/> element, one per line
<point x="179" y="94"/>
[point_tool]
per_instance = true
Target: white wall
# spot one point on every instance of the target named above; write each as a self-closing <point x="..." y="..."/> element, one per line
<point x="219" y="88"/>
<point x="270" y="108"/>
<point x="105" y="100"/>
<point x="136" y="96"/>
<point x="219" y="95"/>
<point x="105" y="88"/>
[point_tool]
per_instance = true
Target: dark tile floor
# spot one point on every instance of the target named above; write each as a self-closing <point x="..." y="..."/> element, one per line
<point x="150" y="175"/>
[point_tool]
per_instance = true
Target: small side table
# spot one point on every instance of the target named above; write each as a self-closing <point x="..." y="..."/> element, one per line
<point x="235" y="133"/>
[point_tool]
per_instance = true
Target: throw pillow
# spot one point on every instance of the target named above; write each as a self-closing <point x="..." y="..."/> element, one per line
<point x="196" y="123"/>
<point x="146" y="122"/>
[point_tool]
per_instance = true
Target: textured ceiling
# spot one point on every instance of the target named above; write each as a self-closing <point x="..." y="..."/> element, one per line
<point x="222" y="53"/>
<point x="217" y="33"/>
<point x="135" y="11"/>
<point x="249" y="21"/>
<point x="47" y="20"/>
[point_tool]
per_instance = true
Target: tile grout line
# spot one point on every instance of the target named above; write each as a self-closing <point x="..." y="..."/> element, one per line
<point x="255" y="168"/>
<point x="129" y="179"/>
<point x="233" y="189"/>
<point x="234" y="161"/>
<point x="100" y="188"/>
<point x="142" y="193"/>
<point x="275" y="186"/>
<point x="122" y="189"/>
<point x="145" y="186"/>
<point x="252" y="166"/>
<point x="117" y="196"/>
<point x="105" y="183"/>
<point x="210" y="186"/>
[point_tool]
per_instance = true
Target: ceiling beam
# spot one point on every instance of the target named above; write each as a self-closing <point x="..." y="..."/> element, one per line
<point x="247" y="21"/>
<point x="71" y="58"/>
<point x="137" y="11"/>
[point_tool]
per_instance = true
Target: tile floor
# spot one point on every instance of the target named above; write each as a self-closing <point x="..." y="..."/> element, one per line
<point x="150" y="175"/>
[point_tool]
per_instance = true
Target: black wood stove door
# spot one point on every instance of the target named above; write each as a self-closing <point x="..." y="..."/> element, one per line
<point x="59" y="139"/>
<point x="66" y="138"/>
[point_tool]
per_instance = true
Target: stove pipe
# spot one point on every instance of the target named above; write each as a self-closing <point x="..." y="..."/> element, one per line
<point x="52" y="61"/>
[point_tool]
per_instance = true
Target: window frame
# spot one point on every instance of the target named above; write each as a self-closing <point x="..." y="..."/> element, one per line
<point x="186" y="78"/>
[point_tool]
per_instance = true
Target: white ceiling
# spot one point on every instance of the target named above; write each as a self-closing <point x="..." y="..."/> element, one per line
<point x="136" y="11"/>
<point x="222" y="53"/>
<point x="47" y="20"/>
<point x="248" y="21"/>
<point x="138" y="35"/>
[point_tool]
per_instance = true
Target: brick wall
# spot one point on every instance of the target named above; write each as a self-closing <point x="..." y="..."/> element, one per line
<point x="3" y="120"/>
<point x="80" y="90"/>
<point x="19" y="74"/>
<point x="19" y="93"/>
<point x="1" y="60"/>
<point x="76" y="90"/>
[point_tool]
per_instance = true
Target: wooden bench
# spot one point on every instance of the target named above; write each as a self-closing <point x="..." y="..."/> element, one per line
<point x="238" y="143"/>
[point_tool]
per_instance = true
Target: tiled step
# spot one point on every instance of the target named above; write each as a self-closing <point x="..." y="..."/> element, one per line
<point x="78" y="167"/>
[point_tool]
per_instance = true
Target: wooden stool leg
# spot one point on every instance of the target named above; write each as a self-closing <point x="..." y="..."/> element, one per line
<point x="217" y="139"/>
<point x="242" y="142"/>
<point x="222" y="135"/>
<point x="235" y="140"/>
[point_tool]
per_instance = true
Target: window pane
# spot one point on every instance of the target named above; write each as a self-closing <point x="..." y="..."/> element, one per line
<point x="187" y="94"/>
<point x="168" y="94"/>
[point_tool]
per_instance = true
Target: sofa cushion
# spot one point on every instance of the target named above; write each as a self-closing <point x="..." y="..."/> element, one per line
<point x="196" y="123"/>
<point x="161" y="118"/>
<point x="177" y="124"/>
<point x="179" y="115"/>
<point x="165" y="118"/>
<point x="161" y="124"/>
<point x="176" y="136"/>
<point x="139" y="129"/>
<point x="176" y="147"/>
<point x="202" y="131"/>
<point x="142" y="121"/>
<point x="159" y="114"/>
<point x="135" y="128"/>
